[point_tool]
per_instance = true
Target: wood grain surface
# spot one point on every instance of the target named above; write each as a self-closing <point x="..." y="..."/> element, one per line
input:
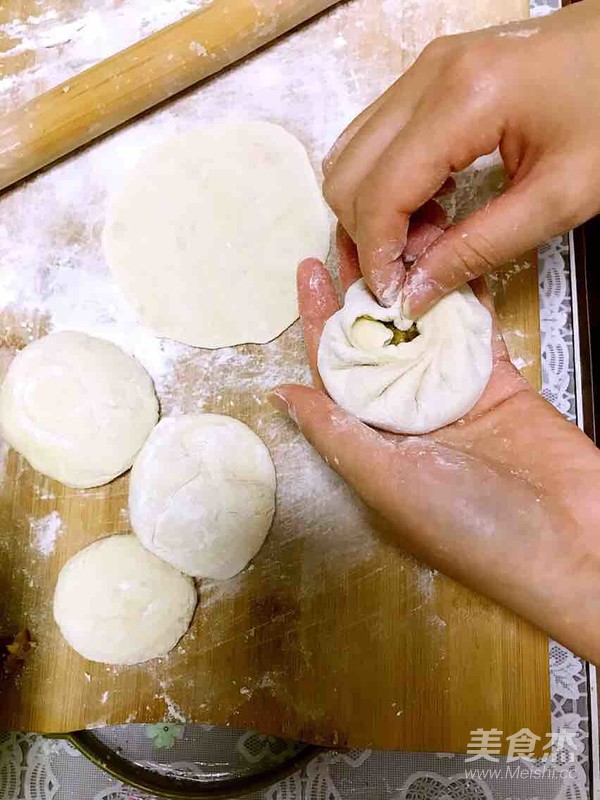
<point x="333" y="635"/>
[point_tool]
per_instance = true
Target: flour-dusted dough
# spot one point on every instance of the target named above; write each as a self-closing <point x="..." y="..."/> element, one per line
<point x="208" y="230"/>
<point x="118" y="604"/>
<point x="202" y="494"/>
<point x="78" y="408"/>
<point x="412" y="387"/>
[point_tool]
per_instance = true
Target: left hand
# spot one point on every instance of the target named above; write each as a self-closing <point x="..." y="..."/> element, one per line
<point x="506" y="500"/>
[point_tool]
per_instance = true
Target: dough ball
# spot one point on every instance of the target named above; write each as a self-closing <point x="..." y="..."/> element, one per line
<point x="402" y="377"/>
<point x="207" y="232"/>
<point x="118" y="604"/>
<point x="77" y="408"/>
<point x="202" y="494"/>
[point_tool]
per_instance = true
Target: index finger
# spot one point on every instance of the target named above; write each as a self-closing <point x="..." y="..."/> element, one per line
<point x="437" y="141"/>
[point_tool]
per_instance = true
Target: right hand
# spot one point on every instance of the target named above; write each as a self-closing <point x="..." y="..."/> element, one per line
<point x="533" y="90"/>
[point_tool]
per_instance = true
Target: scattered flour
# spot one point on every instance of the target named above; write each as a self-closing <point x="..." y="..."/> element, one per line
<point x="426" y="583"/>
<point x="520" y="363"/>
<point x="104" y="697"/>
<point x="437" y="622"/>
<point x="99" y="723"/>
<point x="173" y="711"/>
<point x="523" y="33"/>
<point x="197" y="48"/>
<point x="44" y="532"/>
<point x="43" y="493"/>
<point x="339" y="42"/>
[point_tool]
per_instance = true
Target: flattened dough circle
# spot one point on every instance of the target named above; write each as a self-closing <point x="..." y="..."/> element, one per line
<point x="77" y="407"/>
<point x="202" y="494"/>
<point x="118" y="604"/>
<point x="207" y="232"/>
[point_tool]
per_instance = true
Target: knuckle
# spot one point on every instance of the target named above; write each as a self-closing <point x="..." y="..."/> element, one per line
<point x="438" y="48"/>
<point x="471" y="255"/>
<point x="475" y="69"/>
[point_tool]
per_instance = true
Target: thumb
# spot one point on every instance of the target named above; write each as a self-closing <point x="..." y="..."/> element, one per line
<point x="358" y="453"/>
<point x="528" y="213"/>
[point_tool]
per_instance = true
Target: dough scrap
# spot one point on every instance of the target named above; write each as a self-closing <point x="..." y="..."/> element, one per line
<point x="77" y="408"/>
<point x="416" y="386"/>
<point x="202" y="494"/>
<point x="206" y="234"/>
<point x="116" y="603"/>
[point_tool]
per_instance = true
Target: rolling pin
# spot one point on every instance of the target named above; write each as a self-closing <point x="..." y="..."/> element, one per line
<point x="132" y="81"/>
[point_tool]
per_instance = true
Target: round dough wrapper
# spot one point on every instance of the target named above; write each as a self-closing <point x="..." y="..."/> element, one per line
<point x="416" y="386"/>
<point x="116" y="603"/>
<point x="202" y="494"/>
<point x="77" y="408"/>
<point x="207" y="233"/>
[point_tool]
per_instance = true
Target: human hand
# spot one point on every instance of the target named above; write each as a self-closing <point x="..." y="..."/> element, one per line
<point x="505" y="501"/>
<point x="529" y="88"/>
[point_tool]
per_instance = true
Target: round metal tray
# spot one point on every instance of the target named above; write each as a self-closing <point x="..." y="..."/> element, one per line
<point x="192" y="761"/>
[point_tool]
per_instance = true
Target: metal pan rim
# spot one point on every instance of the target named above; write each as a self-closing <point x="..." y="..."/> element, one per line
<point x="145" y="780"/>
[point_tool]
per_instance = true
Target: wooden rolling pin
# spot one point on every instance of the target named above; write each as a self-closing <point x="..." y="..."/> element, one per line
<point x="132" y="81"/>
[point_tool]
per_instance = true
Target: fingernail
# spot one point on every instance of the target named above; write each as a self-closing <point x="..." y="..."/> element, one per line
<point x="387" y="282"/>
<point x="389" y="296"/>
<point x="416" y="297"/>
<point x="417" y="287"/>
<point x="279" y="401"/>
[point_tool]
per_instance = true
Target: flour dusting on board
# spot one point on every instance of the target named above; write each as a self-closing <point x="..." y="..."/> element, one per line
<point x="426" y="579"/>
<point x="172" y="710"/>
<point x="51" y="262"/>
<point x="102" y="30"/>
<point x="50" y="254"/>
<point x="44" y="532"/>
<point x="53" y="275"/>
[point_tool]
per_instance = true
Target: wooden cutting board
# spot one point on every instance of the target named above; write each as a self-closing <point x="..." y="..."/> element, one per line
<point x="333" y="635"/>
